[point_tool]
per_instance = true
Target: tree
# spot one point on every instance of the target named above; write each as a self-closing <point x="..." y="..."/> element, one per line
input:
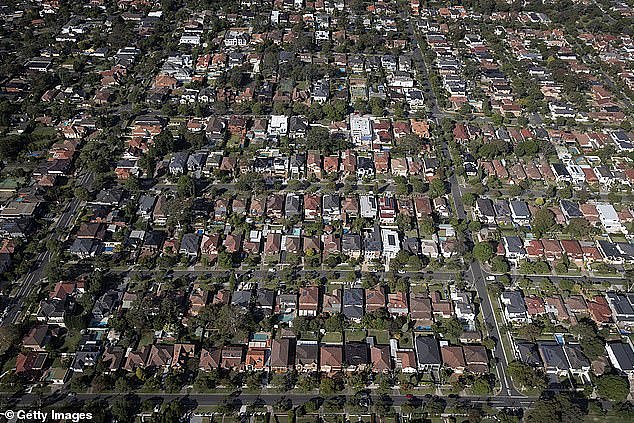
<point x="559" y="408"/>
<point x="612" y="387"/>
<point x="185" y="186"/>
<point x="124" y="407"/>
<point x="437" y="188"/>
<point x="481" y="386"/>
<point x="579" y="227"/>
<point x="591" y="342"/>
<point x="483" y="252"/>
<point x="9" y="337"/>
<point x="469" y="199"/>
<point x="330" y="386"/>
<point x="525" y="376"/>
<point x="543" y="222"/>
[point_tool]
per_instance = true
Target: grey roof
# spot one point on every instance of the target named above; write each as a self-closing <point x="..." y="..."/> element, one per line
<point x="514" y="244"/>
<point x="485" y="206"/>
<point x="502" y="208"/>
<point x="514" y="302"/>
<point x="265" y="297"/>
<point x="292" y="205"/>
<point x="570" y="209"/>
<point x="297" y="124"/>
<point x="109" y="197"/>
<point x="84" y="246"/>
<point x="350" y="242"/>
<point x="356" y="353"/>
<point x="560" y="170"/>
<point x="146" y="203"/>
<point x="576" y="358"/>
<point x="623" y="304"/>
<point x="553" y="356"/>
<point x="528" y="353"/>
<point x="241" y="298"/>
<point x="520" y="208"/>
<point x="331" y="201"/>
<point x="427" y="350"/>
<point x="190" y="244"/>
<point x="372" y="240"/>
<point x="624" y="355"/>
<point x="105" y="304"/>
<point x="353" y="303"/>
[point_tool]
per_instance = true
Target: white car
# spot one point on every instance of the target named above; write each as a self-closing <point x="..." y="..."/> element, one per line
<point x="490" y="278"/>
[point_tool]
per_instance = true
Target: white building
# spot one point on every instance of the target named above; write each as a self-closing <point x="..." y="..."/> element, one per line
<point x="368" y="206"/>
<point x="609" y="218"/>
<point x="360" y="129"/>
<point x="278" y="125"/>
<point x="391" y="243"/>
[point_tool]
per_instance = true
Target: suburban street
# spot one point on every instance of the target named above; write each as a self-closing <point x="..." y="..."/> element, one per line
<point x="238" y="398"/>
<point x="65" y="221"/>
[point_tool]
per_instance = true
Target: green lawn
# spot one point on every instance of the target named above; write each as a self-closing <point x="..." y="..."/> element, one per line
<point x="355" y="335"/>
<point x="332" y="338"/>
<point x="381" y="337"/>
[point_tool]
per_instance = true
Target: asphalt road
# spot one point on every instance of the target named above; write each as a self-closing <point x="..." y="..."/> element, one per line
<point x="14" y="309"/>
<point x="211" y="399"/>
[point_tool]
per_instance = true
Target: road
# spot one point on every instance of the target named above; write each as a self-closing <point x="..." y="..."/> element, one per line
<point x="475" y="273"/>
<point x="211" y="399"/>
<point x="15" y="307"/>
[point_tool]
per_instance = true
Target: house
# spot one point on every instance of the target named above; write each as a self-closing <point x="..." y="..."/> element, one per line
<point x="375" y="298"/>
<point x="286" y="306"/>
<point x="513" y="249"/>
<point x="427" y="353"/>
<point x="231" y="357"/>
<point x="37" y="338"/>
<point x="210" y="358"/>
<point x="622" y="306"/>
<point x="256" y="359"/>
<point x="265" y="301"/>
<point x="520" y="213"/>
<point x="553" y="357"/>
<point x="397" y="303"/>
<point x="331" y="206"/>
<point x="178" y="163"/>
<point x="421" y="311"/>
<point x="476" y="358"/>
<point x="353" y="303"/>
<point x="387" y="209"/>
<point x="306" y="357"/>
<point x="281" y="359"/>
<point x="331" y="358"/>
<point x="621" y="355"/>
<point x="391" y="243"/>
<point x="453" y="358"/>
<point x="368" y="206"/>
<point x="380" y="358"/>
<point x="189" y="245"/>
<point x="105" y="306"/>
<point x="514" y="307"/>
<point x="357" y="356"/>
<point x="484" y="211"/>
<point x="609" y="218"/>
<point x="278" y="125"/>
<point x="308" y="301"/>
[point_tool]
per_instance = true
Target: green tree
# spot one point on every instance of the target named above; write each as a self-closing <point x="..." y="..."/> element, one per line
<point x="558" y="408"/>
<point x="612" y="387"/>
<point x="483" y="252"/>
<point x="437" y="188"/>
<point x="543" y="222"/>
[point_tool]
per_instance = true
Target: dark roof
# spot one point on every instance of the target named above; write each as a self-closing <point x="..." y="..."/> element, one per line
<point x="427" y="350"/>
<point x="356" y="353"/>
<point x="624" y="355"/>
